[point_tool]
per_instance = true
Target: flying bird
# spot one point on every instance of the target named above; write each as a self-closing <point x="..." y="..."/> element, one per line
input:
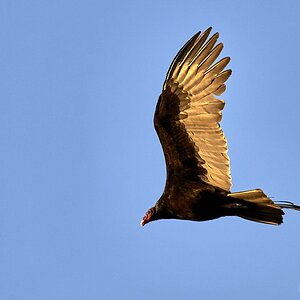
<point x="187" y="117"/>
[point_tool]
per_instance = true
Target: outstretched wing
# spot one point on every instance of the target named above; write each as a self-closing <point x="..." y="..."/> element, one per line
<point x="188" y="113"/>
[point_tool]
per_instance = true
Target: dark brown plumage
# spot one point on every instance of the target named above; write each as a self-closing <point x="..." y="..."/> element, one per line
<point x="187" y="119"/>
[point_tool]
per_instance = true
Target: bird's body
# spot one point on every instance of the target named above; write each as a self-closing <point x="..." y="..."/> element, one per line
<point x="187" y="119"/>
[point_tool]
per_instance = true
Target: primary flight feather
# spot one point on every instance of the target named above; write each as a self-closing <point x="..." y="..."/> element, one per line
<point x="186" y="119"/>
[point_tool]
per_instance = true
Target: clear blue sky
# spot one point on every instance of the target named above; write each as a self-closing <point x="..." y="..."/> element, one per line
<point x="81" y="162"/>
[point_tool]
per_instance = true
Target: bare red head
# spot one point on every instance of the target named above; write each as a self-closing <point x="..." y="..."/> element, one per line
<point x="149" y="216"/>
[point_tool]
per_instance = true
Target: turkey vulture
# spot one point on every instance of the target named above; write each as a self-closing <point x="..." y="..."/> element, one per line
<point x="186" y="119"/>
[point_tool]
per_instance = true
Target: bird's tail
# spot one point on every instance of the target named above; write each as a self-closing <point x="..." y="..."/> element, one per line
<point x="260" y="208"/>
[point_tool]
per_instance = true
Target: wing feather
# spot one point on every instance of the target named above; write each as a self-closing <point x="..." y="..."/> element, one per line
<point x="188" y="113"/>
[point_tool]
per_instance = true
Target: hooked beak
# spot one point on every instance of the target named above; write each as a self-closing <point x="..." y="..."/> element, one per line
<point x="145" y="220"/>
<point x="148" y="217"/>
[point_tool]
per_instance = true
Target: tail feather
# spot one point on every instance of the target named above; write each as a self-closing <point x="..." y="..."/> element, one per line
<point x="287" y="204"/>
<point x="260" y="208"/>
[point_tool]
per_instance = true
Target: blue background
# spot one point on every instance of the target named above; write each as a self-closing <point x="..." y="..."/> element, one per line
<point x="81" y="162"/>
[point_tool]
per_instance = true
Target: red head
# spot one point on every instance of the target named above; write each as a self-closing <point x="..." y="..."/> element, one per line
<point x="149" y="216"/>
